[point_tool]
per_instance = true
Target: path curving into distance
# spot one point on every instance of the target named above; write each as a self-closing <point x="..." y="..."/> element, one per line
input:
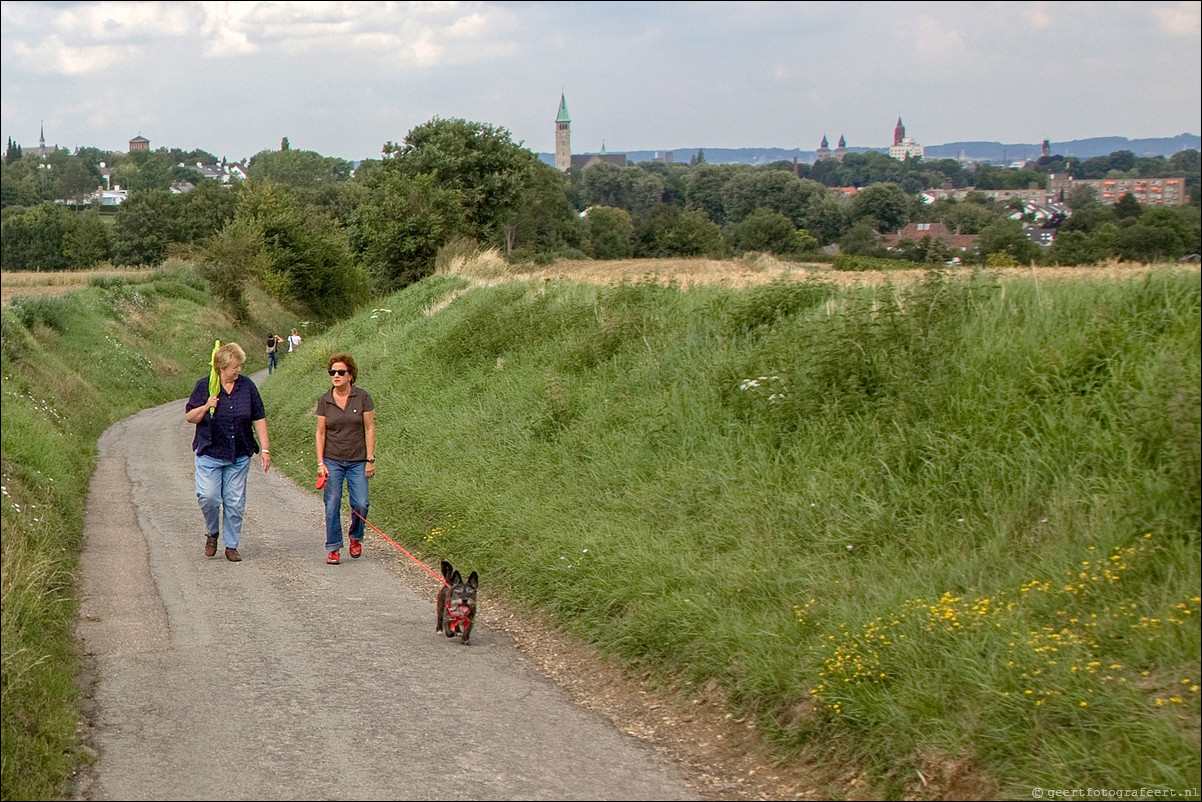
<point x="281" y="677"/>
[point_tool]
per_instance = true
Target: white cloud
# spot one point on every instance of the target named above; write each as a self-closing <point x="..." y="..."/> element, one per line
<point x="51" y="56"/>
<point x="125" y="21"/>
<point x="936" y="44"/>
<point x="425" y="52"/>
<point x="425" y="34"/>
<point x="1038" y="16"/>
<point x="1183" y="19"/>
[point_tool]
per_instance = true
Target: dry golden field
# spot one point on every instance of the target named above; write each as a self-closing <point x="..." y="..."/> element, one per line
<point x="744" y="272"/>
<point x="13" y="284"/>
<point x="759" y="269"/>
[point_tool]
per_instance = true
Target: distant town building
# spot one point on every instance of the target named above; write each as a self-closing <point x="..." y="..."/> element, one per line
<point x="1150" y="191"/>
<point x="585" y="160"/>
<point x="563" y="137"/>
<point x="917" y="232"/>
<point x="1033" y="194"/>
<point x="903" y="146"/>
<point x="564" y="160"/>
<point x="824" y="151"/>
<point x="41" y="151"/>
<point x="103" y="196"/>
<point x="224" y="171"/>
<point x="139" y="143"/>
<point x="841" y="148"/>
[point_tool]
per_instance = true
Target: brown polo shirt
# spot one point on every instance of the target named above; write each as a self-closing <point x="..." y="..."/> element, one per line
<point x="346" y="439"/>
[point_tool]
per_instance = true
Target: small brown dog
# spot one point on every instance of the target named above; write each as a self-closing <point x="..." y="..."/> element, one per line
<point x="456" y="603"/>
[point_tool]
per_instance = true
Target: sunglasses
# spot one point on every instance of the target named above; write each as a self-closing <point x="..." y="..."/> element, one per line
<point x="339" y="372"/>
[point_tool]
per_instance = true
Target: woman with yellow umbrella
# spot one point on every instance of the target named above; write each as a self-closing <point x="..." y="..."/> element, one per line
<point x="227" y="411"/>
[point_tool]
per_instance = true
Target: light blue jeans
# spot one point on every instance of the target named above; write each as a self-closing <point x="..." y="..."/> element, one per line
<point x="355" y="476"/>
<point x="221" y="491"/>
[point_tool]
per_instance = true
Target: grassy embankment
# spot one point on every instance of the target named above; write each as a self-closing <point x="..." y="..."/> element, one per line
<point x="72" y="365"/>
<point x="954" y="524"/>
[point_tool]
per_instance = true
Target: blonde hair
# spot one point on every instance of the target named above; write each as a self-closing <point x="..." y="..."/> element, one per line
<point x="228" y="354"/>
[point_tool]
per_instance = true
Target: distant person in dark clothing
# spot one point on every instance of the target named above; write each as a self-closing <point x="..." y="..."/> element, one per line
<point x="226" y="423"/>
<point x="273" y="352"/>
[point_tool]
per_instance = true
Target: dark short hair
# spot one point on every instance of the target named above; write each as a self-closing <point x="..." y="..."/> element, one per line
<point x="346" y="359"/>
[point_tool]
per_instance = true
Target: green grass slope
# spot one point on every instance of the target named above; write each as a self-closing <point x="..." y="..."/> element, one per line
<point x="957" y="521"/>
<point x="73" y="365"/>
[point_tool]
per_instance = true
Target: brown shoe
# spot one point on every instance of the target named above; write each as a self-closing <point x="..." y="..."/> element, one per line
<point x="232" y="555"/>
<point x="210" y="545"/>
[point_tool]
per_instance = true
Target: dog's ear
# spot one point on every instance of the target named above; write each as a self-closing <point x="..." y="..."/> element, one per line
<point x="446" y="570"/>
<point x="473" y="581"/>
<point x="456" y="579"/>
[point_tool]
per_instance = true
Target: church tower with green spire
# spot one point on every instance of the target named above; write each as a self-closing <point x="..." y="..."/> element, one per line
<point x="563" y="138"/>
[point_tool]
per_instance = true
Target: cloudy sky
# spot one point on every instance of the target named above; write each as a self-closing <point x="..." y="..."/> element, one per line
<point x="343" y="78"/>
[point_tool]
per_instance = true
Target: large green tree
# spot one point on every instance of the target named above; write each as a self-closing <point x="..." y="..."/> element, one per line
<point x="769" y="231"/>
<point x="1006" y="238"/>
<point x="777" y="190"/>
<point x="298" y="168"/>
<point x="400" y="224"/>
<point x="631" y="188"/>
<point x="705" y="188"/>
<point x="885" y="203"/>
<point x="673" y="232"/>
<point x="477" y="160"/>
<point x="306" y="255"/>
<point x="86" y="242"/>
<point x="609" y="232"/>
<point x="33" y="240"/>
<point x="542" y="220"/>
<point x="231" y="259"/>
<point x="143" y="226"/>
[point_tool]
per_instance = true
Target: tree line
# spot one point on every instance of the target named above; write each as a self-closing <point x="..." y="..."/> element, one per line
<point x="328" y="234"/>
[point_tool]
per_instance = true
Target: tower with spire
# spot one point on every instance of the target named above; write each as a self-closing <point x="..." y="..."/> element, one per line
<point x="841" y="150"/>
<point x="904" y="147"/>
<point x="563" y="137"/>
<point x="824" y="150"/>
<point x="41" y="151"/>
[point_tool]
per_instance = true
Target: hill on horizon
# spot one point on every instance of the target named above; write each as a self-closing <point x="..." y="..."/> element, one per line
<point x="992" y="152"/>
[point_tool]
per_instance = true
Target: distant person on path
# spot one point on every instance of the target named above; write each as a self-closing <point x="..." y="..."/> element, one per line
<point x="273" y="352"/>
<point x="226" y="424"/>
<point x="294" y="341"/>
<point x="346" y="451"/>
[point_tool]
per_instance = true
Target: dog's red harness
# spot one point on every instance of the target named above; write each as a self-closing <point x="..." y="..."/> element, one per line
<point x="457" y="620"/>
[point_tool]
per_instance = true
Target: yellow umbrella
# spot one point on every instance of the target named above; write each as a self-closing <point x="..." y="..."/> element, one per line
<point x="214" y="379"/>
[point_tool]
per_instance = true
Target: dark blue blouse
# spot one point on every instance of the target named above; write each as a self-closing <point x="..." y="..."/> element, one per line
<point x="228" y="434"/>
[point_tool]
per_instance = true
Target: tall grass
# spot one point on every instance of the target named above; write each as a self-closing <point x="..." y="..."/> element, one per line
<point x="72" y="365"/>
<point x="956" y="522"/>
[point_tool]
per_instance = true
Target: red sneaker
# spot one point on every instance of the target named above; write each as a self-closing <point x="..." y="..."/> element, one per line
<point x="356" y="548"/>
<point x="334" y="558"/>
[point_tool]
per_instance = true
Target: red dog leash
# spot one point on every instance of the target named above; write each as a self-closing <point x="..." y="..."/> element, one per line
<point x="402" y="548"/>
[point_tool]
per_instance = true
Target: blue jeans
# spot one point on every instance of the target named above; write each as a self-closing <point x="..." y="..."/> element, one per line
<point x="221" y="491"/>
<point x="272" y="361"/>
<point x="355" y="476"/>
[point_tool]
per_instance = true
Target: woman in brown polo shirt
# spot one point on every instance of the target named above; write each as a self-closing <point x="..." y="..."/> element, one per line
<point x="346" y="451"/>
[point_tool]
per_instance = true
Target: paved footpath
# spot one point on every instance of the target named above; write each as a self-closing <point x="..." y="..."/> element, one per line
<point x="281" y="677"/>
